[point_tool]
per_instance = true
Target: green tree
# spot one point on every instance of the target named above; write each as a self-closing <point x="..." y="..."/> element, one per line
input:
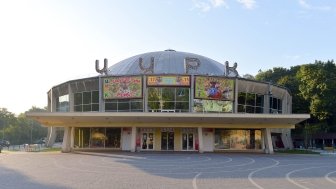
<point x="318" y="86"/>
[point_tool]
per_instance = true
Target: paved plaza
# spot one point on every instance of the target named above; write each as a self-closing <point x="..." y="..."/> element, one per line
<point x="166" y="171"/>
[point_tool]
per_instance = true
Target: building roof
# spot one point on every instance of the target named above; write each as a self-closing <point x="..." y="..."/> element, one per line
<point x="149" y="119"/>
<point x="167" y="62"/>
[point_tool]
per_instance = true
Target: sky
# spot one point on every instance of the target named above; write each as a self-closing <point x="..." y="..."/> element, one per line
<point x="47" y="42"/>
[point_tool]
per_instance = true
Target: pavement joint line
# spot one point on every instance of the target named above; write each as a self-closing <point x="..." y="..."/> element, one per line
<point x="194" y="181"/>
<point x="327" y="177"/>
<point x="261" y="169"/>
<point x="299" y="170"/>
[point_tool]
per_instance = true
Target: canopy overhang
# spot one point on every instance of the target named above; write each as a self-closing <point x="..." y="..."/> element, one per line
<point x="148" y="119"/>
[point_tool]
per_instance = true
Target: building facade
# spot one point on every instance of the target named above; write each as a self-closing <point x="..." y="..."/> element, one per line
<point x="169" y="101"/>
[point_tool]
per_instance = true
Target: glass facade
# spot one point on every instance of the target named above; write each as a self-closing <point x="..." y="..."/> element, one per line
<point x="127" y="105"/>
<point x="275" y="105"/>
<point x="237" y="139"/>
<point x="168" y="99"/>
<point x="97" y="137"/>
<point x="62" y="103"/>
<point x="87" y="101"/>
<point x="250" y="103"/>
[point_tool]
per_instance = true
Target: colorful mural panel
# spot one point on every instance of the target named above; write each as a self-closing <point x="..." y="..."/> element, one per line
<point x="122" y="87"/>
<point x="214" y="88"/>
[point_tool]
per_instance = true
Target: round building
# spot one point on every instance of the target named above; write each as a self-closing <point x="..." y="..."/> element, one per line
<point x="169" y="101"/>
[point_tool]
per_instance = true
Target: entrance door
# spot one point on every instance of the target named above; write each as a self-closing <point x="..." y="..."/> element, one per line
<point x="187" y="141"/>
<point x="167" y="140"/>
<point x="147" y="141"/>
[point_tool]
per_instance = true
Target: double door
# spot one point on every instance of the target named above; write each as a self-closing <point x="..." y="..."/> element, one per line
<point x="167" y="140"/>
<point x="188" y="141"/>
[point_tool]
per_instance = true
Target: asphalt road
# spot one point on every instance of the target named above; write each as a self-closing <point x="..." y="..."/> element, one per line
<point x="166" y="171"/>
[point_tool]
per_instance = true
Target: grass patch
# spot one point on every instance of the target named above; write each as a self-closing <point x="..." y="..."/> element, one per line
<point x="296" y="151"/>
<point x="51" y="150"/>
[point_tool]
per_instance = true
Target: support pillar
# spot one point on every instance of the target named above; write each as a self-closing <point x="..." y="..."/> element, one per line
<point x="268" y="141"/>
<point x="72" y="138"/>
<point x="66" y="140"/>
<point x="200" y="139"/>
<point x="51" y="137"/>
<point x="263" y="140"/>
<point x="133" y="139"/>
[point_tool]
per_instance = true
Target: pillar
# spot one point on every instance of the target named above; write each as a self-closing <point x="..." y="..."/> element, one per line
<point x="200" y="139"/>
<point x="262" y="139"/>
<point x="133" y="139"/>
<point x="66" y="140"/>
<point x="72" y="138"/>
<point x="268" y="141"/>
<point x="51" y="137"/>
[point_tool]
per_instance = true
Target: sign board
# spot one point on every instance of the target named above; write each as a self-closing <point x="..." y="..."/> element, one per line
<point x="169" y="80"/>
<point x="214" y="88"/>
<point x="122" y="87"/>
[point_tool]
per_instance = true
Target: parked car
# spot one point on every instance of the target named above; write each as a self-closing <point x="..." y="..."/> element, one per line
<point x="4" y="143"/>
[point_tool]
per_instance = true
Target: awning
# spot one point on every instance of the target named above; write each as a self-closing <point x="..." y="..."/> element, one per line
<point x="149" y="119"/>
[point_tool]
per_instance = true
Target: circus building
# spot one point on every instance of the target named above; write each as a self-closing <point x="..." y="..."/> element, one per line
<point x="169" y="101"/>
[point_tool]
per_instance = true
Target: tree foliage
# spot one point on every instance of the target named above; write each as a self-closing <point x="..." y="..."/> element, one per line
<point x="313" y="89"/>
<point x="20" y="130"/>
<point x="318" y="86"/>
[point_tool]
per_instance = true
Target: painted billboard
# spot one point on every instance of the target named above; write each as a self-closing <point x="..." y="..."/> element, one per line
<point x="213" y="106"/>
<point x="168" y="80"/>
<point x="122" y="87"/>
<point x="214" y="88"/>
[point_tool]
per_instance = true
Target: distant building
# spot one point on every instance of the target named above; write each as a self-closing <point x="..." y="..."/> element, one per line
<point x="170" y="101"/>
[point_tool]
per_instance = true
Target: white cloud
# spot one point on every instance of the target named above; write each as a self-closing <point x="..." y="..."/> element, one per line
<point x="207" y="5"/>
<point x="249" y="4"/>
<point x="218" y="3"/>
<point x="304" y="4"/>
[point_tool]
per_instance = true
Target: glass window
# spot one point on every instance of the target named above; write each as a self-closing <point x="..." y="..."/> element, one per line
<point x="95" y="107"/>
<point x="95" y="96"/>
<point x="250" y="99"/>
<point x="62" y="103"/>
<point x="87" y="108"/>
<point x="241" y="98"/>
<point x="86" y="101"/>
<point x="237" y="139"/>
<point x="260" y="100"/>
<point x="111" y="107"/>
<point x="182" y="94"/>
<point x="78" y="98"/>
<point x="250" y="103"/>
<point x="168" y="99"/>
<point x="275" y="105"/>
<point x="78" y="108"/>
<point x="124" y="106"/>
<point x="86" y="97"/>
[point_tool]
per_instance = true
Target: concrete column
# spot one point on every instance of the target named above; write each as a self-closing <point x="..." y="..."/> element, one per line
<point x="51" y="137"/>
<point x="145" y="95"/>
<point x="101" y="97"/>
<point x="72" y="138"/>
<point x="235" y="110"/>
<point x="268" y="141"/>
<point x="66" y="140"/>
<point x="262" y="139"/>
<point x="133" y="139"/>
<point x="71" y="99"/>
<point x="200" y="139"/>
<point x="191" y="94"/>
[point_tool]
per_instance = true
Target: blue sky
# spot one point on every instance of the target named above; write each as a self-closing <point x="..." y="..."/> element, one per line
<point x="44" y="43"/>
